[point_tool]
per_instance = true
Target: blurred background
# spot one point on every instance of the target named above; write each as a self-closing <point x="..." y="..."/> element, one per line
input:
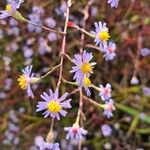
<point x="23" y="44"/>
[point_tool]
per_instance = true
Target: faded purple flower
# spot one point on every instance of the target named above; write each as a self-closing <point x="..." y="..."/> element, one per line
<point x="109" y="108"/>
<point x="13" y="22"/>
<point x="146" y="91"/>
<point x="43" y="46"/>
<point x="83" y="66"/>
<point x="105" y="92"/>
<point x="52" y="37"/>
<point x="145" y="52"/>
<point x="53" y="105"/>
<point x="75" y="132"/>
<point x="27" y="51"/>
<point x="110" y="51"/>
<point x="106" y="130"/>
<point x="113" y="3"/>
<point x="42" y="145"/>
<point x="50" y="22"/>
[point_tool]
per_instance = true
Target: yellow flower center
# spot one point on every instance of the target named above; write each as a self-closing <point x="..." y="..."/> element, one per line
<point x="23" y="81"/>
<point x="86" y="68"/>
<point x="8" y="7"/>
<point x="87" y="81"/>
<point x="54" y="106"/>
<point x="104" y="35"/>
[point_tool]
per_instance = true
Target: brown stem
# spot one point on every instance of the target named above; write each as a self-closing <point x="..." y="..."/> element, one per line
<point x="45" y="28"/>
<point x="64" y="44"/>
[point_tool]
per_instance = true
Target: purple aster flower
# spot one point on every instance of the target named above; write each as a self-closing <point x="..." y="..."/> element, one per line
<point x="110" y="51"/>
<point x="109" y="108"/>
<point x="27" y="51"/>
<point x="11" y="8"/>
<point x="53" y="105"/>
<point x="101" y="34"/>
<point x="35" y="18"/>
<point x="52" y="37"/>
<point x="83" y="68"/>
<point x="145" y="52"/>
<point x="43" y="46"/>
<point x="113" y="3"/>
<point x="27" y="79"/>
<point x="38" y="10"/>
<point x="105" y="92"/>
<point x="146" y="91"/>
<point x="86" y="84"/>
<point x="106" y="130"/>
<point x="75" y="132"/>
<point x="50" y="22"/>
<point x="42" y="145"/>
<point x="13" y="31"/>
<point x="13" y="22"/>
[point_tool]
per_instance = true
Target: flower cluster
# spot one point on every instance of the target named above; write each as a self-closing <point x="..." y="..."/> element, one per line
<point x="101" y="35"/>
<point x="75" y="132"/>
<point x="83" y="69"/>
<point x="105" y="94"/>
<point x="42" y="145"/>
<point x="52" y="105"/>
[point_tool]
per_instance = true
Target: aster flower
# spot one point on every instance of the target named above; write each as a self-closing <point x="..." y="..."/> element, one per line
<point x="11" y="9"/>
<point x="83" y="66"/>
<point x="101" y="34"/>
<point x="42" y="145"/>
<point x="146" y="91"/>
<point x="75" y="132"/>
<point x="113" y="3"/>
<point x="145" y="52"/>
<point x="110" y="51"/>
<point x="53" y="105"/>
<point x="105" y="92"/>
<point x="109" y="108"/>
<point x="106" y="130"/>
<point x="27" y="79"/>
<point x="86" y="84"/>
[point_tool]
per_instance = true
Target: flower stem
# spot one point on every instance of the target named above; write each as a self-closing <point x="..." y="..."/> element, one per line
<point x="50" y="135"/>
<point x="64" y="44"/>
<point x="45" y="28"/>
<point x="49" y="72"/>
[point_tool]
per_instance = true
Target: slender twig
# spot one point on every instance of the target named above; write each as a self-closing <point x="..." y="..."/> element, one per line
<point x="45" y="28"/>
<point x="93" y="102"/>
<point x="64" y="43"/>
<point x="49" y="72"/>
<point x="129" y="9"/>
<point x="68" y="57"/>
<point x="68" y="82"/>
